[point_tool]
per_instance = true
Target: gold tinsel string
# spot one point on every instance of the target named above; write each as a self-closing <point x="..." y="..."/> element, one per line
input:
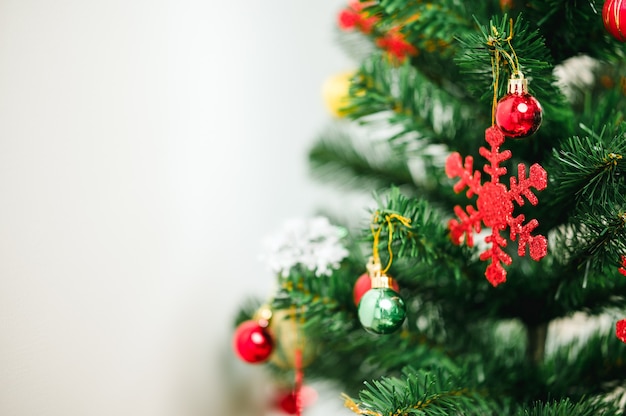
<point x="495" y="64"/>
<point x="351" y="405"/>
<point x="389" y="220"/>
<point x="376" y="234"/>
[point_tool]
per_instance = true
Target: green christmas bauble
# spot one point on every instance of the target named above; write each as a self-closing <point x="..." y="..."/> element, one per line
<point x="381" y="310"/>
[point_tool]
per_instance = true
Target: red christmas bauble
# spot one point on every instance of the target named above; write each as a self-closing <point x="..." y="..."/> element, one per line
<point x="518" y="114"/>
<point x="364" y="283"/>
<point x="288" y="402"/>
<point x="252" y="342"/>
<point x="614" y="18"/>
<point x="620" y="330"/>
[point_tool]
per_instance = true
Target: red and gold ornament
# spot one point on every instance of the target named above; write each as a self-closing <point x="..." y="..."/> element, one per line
<point x="518" y="114"/>
<point x="614" y="18"/>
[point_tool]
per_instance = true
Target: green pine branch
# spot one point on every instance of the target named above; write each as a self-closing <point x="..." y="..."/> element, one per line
<point x="565" y="407"/>
<point x="425" y="241"/>
<point x="349" y="161"/>
<point x="418" y="392"/>
<point x="591" y="171"/>
<point x="335" y="158"/>
<point x="475" y="349"/>
<point x="603" y="237"/>
<point x="593" y="366"/>
<point x="430" y="28"/>
<point x="411" y="103"/>
<point x="573" y="28"/>
<point x="598" y="99"/>
<point x="528" y="53"/>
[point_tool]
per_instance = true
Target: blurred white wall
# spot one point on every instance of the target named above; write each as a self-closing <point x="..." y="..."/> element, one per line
<point x="146" y="147"/>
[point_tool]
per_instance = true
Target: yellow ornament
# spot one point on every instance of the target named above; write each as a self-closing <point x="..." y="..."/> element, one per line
<point x="335" y="92"/>
<point x="288" y="336"/>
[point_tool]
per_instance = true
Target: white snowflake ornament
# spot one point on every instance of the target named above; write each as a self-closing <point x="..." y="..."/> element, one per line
<point x="313" y="244"/>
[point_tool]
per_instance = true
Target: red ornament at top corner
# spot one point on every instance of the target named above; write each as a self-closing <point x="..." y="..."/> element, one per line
<point x="518" y="114"/>
<point x="252" y="342"/>
<point x="614" y="18"/>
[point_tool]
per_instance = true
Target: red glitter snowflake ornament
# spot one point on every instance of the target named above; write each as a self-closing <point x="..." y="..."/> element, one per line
<point x="495" y="205"/>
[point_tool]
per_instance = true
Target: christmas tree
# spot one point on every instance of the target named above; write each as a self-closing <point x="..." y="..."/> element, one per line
<point x="491" y="135"/>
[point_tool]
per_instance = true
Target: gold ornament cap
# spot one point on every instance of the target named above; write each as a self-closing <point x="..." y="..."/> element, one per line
<point x="518" y="86"/>
<point x="379" y="279"/>
<point x="382" y="281"/>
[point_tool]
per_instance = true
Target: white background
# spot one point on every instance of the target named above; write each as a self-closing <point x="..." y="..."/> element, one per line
<point x="146" y="147"/>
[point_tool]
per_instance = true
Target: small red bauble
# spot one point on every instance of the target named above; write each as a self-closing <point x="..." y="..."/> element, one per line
<point x="252" y="342"/>
<point x="518" y="114"/>
<point x="614" y="18"/>
<point x="506" y="5"/>
<point x="364" y="283"/>
<point x="291" y="402"/>
<point x="620" y="330"/>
